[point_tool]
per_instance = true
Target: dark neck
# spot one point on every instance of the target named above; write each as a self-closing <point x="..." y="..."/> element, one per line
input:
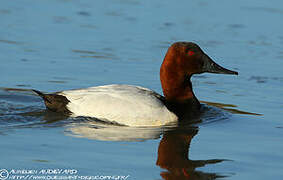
<point x="178" y="92"/>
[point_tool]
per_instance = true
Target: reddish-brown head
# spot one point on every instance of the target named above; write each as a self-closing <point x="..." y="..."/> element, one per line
<point x="185" y="57"/>
<point x="182" y="60"/>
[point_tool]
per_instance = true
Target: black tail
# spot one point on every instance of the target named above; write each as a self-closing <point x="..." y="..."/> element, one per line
<point x="44" y="97"/>
<point x="54" y="102"/>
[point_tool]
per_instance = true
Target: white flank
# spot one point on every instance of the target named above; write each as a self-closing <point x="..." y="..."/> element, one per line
<point x="123" y="104"/>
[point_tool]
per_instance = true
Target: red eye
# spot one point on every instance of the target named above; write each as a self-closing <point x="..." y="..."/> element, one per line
<point x="190" y="53"/>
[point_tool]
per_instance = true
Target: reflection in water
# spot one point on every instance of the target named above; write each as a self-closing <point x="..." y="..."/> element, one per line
<point x="99" y="130"/>
<point x="230" y="107"/>
<point x="173" y="153"/>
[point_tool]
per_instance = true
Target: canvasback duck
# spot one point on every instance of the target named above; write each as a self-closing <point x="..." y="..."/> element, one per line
<point x="138" y="106"/>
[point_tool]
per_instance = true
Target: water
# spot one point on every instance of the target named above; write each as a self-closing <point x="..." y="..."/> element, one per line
<point x="66" y="44"/>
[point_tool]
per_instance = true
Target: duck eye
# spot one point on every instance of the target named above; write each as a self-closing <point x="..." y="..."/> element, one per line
<point x="190" y="53"/>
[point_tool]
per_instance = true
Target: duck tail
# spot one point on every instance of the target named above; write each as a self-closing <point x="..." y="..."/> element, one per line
<point x="42" y="95"/>
<point x="54" y="102"/>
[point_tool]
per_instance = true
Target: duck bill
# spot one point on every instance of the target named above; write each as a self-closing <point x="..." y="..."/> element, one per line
<point x="212" y="67"/>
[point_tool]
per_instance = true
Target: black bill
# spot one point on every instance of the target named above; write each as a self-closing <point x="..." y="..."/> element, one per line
<point x="211" y="67"/>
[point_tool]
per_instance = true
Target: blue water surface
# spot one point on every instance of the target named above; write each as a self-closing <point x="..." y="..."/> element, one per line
<point x="56" y="45"/>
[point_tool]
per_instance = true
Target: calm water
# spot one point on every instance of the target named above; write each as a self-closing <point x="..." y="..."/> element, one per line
<point x="66" y="44"/>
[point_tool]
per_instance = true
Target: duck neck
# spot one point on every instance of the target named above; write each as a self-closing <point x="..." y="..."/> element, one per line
<point x="177" y="89"/>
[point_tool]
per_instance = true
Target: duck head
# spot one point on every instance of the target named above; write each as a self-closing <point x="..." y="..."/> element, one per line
<point x="182" y="60"/>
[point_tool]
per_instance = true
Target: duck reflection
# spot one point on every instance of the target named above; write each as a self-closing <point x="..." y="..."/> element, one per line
<point x="173" y="153"/>
<point x="173" y="148"/>
<point x="99" y="130"/>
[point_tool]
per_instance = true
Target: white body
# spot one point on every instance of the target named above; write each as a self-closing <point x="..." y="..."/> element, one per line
<point x="123" y="104"/>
